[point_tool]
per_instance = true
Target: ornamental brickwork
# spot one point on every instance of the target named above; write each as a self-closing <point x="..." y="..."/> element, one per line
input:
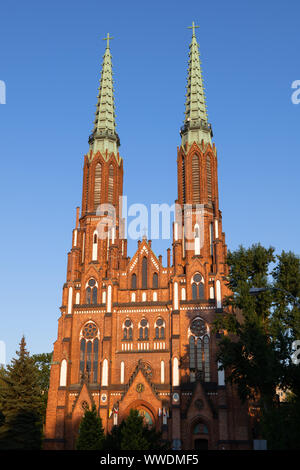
<point x="134" y="333"/>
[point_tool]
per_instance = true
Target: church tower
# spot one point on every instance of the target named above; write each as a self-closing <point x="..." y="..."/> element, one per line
<point x="134" y="333"/>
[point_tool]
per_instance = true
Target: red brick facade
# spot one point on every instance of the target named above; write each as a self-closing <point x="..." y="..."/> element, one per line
<point x="136" y="334"/>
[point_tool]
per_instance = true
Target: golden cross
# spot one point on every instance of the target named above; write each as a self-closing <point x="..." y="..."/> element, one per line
<point x="108" y="37"/>
<point x="193" y="27"/>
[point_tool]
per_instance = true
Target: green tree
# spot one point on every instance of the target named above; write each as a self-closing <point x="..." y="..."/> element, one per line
<point x="91" y="433"/>
<point x="256" y="352"/>
<point x="114" y="438"/>
<point x="118" y="436"/>
<point x="132" y="433"/>
<point x="43" y="364"/>
<point x="20" y="403"/>
<point x="280" y="425"/>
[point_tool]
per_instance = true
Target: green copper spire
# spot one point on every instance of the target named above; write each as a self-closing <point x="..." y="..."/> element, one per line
<point x="196" y="126"/>
<point x="104" y="134"/>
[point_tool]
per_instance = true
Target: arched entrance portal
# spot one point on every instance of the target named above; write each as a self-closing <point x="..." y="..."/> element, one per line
<point x="145" y="410"/>
<point x="200" y="436"/>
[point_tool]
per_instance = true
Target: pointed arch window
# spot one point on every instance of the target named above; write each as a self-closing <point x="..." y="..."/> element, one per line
<point x="183" y="179"/>
<point x="95" y="247"/>
<point x="160" y="327"/>
<point x="196" y="179"/>
<point x="128" y="330"/>
<point x="206" y="359"/>
<point x="97" y="186"/>
<point x="192" y="352"/>
<point x="63" y="373"/>
<point x="208" y="178"/>
<point x="197" y="239"/>
<point x="197" y="287"/>
<point x="144" y="273"/>
<point x="91" y="292"/>
<point x="89" y="351"/>
<point x="144" y="329"/>
<point x="122" y="372"/>
<point x="155" y="281"/>
<point x="133" y="281"/>
<point x="199" y="359"/>
<point x="110" y="197"/>
<point x="162" y="372"/>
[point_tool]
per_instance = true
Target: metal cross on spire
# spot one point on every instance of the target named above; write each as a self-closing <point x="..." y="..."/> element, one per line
<point x="108" y="37"/>
<point x="193" y="27"/>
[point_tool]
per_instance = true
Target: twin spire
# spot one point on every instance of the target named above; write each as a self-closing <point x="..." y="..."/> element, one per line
<point x="105" y="118"/>
<point x="196" y="126"/>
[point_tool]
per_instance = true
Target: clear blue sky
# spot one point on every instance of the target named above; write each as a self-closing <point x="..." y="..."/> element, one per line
<point x="50" y="59"/>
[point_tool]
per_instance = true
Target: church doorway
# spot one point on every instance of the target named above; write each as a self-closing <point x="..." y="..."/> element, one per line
<point x="201" y="444"/>
<point x="200" y="436"/>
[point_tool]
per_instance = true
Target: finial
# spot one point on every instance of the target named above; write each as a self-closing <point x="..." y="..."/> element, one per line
<point x="193" y="27"/>
<point x="108" y="37"/>
<point x="145" y="233"/>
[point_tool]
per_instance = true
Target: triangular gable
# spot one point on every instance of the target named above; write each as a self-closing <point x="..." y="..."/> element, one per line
<point x="146" y="250"/>
<point x="200" y="403"/>
<point x="140" y="375"/>
<point x="140" y="390"/>
<point x="83" y="396"/>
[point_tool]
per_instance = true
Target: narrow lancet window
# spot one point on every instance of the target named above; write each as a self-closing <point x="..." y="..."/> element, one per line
<point x="208" y="178"/>
<point x="196" y="179"/>
<point x="110" y="197"/>
<point x="97" y="186"/>
<point x="144" y="273"/>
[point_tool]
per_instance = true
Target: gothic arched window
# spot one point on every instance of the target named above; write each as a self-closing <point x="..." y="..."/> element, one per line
<point x="183" y="179"/>
<point x="127" y="329"/>
<point x="133" y="281"/>
<point x="197" y="287"/>
<point x="208" y="178"/>
<point x="91" y="292"/>
<point x="144" y="329"/>
<point x="199" y="361"/>
<point x="206" y="359"/>
<point x="110" y="196"/>
<point x="97" y="186"/>
<point x="89" y="350"/>
<point x="160" y="327"/>
<point x="144" y="273"/>
<point x="155" y="281"/>
<point x="196" y="179"/>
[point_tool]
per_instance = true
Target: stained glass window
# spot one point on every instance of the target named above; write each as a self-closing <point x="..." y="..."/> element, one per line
<point x="89" y="348"/>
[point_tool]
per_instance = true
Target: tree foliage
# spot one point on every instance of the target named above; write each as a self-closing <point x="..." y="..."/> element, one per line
<point x="256" y="349"/>
<point x="20" y="403"/>
<point x="132" y="434"/>
<point x="43" y="364"/>
<point x="91" y="433"/>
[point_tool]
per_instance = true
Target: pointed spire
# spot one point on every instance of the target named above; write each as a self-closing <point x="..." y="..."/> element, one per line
<point x="105" y="124"/>
<point x="196" y="126"/>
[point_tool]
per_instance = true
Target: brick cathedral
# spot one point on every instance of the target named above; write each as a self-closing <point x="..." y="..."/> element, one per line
<point x="134" y="333"/>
